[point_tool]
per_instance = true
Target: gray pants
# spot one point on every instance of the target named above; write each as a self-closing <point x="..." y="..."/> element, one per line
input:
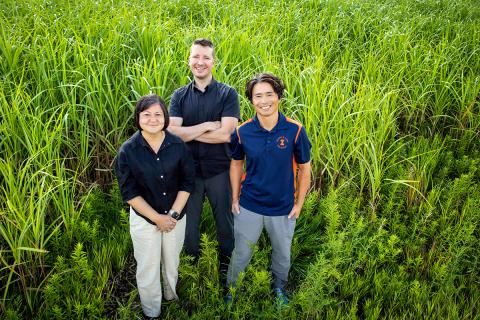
<point x="248" y="227"/>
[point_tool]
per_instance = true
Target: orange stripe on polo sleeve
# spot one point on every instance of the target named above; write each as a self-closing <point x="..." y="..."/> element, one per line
<point x="299" y="125"/>
<point x="238" y="133"/>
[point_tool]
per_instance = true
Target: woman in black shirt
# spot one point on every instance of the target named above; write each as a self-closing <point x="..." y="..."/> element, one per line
<point x="155" y="172"/>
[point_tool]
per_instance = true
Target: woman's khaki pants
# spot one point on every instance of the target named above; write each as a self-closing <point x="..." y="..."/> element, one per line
<point x="151" y="249"/>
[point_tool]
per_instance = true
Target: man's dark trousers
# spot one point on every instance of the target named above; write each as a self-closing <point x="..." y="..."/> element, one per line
<point x="218" y="191"/>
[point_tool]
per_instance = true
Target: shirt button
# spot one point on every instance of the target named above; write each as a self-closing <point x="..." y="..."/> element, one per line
<point x="158" y="159"/>
<point x="161" y="177"/>
<point x="165" y="211"/>
<point x="164" y="193"/>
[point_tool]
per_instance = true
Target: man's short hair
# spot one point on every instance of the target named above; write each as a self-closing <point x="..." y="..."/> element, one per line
<point x="274" y="81"/>
<point x="204" y="43"/>
<point x="146" y="102"/>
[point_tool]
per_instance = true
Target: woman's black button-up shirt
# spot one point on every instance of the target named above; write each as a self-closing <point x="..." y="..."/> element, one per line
<point x="157" y="177"/>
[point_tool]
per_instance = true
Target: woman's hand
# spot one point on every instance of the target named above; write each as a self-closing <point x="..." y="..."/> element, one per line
<point x="165" y="223"/>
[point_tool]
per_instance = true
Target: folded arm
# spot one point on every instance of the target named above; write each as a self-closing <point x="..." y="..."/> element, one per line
<point x="192" y="132"/>
<point x="222" y="134"/>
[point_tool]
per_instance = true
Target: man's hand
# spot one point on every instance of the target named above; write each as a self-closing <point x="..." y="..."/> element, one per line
<point x="236" y="171"/>
<point x="295" y="212"/>
<point x="192" y="132"/>
<point x="235" y="207"/>
<point x="212" y="125"/>
<point x="221" y="134"/>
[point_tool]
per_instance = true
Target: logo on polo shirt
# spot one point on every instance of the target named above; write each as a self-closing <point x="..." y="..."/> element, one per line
<point x="282" y="142"/>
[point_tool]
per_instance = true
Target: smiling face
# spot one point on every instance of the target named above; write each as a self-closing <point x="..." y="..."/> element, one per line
<point x="265" y="99"/>
<point x="152" y="119"/>
<point x="201" y="61"/>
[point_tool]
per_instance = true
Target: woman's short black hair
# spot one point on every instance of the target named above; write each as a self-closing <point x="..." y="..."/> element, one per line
<point x="274" y="81"/>
<point x="146" y="102"/>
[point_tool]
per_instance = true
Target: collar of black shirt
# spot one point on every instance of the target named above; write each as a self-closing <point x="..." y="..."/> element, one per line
<point x="169" y="139"/>
<point x="212" y="84"/>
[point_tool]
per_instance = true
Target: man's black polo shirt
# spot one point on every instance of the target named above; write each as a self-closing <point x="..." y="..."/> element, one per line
<point x="157" y="177"/>
<point x="195" y="107"/>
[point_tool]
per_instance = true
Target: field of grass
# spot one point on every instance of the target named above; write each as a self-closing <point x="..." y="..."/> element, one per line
<point x="389" y="92"/>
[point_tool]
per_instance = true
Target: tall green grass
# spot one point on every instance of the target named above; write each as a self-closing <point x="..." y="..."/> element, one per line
<point x="388" y="92"/>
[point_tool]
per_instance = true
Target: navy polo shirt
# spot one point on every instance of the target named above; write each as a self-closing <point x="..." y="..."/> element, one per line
<point x="195" y="107"/>
<point x="268" y="187"/>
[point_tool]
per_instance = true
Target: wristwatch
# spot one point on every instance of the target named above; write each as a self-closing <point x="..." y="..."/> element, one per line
<point x="174" y="214"/>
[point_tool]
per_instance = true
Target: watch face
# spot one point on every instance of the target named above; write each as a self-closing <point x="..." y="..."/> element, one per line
<point x="175" y="215"/>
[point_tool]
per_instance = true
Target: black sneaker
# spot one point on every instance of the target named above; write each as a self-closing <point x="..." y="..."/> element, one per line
<point x="228" y="298"/>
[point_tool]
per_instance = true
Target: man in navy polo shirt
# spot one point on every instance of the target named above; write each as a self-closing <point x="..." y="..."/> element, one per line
<point x="204" y="113"/>
<point x="276" y="150"/>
